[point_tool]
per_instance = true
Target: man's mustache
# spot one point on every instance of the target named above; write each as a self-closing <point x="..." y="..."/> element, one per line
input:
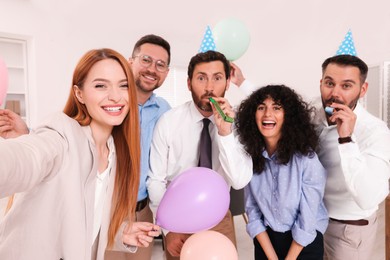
<point x="334" y="100"/>
<point x="208" y="95"/>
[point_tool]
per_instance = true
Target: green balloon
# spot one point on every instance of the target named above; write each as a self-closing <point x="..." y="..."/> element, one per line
<point x="231" y="38"/>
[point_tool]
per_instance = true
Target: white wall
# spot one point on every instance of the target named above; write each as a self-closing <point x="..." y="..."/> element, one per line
<point x="289" y="39"/>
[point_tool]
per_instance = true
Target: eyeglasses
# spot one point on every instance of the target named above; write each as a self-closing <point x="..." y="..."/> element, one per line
<point x="146" y="61"/>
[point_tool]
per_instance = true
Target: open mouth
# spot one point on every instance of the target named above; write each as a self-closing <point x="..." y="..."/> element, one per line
<point x="268" y="124"/>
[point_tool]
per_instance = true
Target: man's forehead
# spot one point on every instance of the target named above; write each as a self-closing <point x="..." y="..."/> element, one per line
<point x="210" y="68"/>
<point x="153" y="50"/>
<point x="341" y="72"/>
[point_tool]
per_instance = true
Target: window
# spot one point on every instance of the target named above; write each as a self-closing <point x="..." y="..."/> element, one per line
<point x="175" y="90"/>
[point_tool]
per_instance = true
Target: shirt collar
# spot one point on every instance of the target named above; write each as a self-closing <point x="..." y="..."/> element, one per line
<point x="196" y="115"/>
<point x="111" y="150"/>
<point x="151" y="101"/>
<point x="266" y="156"/>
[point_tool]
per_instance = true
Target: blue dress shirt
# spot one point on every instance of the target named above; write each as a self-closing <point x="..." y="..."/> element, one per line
<point x="288" y="197"/>
<point x="149" y="113"/>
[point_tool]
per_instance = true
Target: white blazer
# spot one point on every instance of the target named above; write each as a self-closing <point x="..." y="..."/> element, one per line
<point x="53" y="171"/>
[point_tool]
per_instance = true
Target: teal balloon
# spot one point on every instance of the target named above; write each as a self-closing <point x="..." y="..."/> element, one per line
<point x="231" y="38"/>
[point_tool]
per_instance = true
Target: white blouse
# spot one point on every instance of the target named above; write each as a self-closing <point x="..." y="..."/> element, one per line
<point x="102" y="180"/>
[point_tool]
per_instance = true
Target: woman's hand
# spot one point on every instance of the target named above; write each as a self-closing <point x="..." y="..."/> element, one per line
<point x="140" y="234"/>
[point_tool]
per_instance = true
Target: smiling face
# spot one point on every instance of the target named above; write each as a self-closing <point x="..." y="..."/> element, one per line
<point x="208" y="80"/>
<point x="149" y="78"/>
<point x="105" y="94"/>
<point x="341" y="84"/>
<point x="269" y="120"/>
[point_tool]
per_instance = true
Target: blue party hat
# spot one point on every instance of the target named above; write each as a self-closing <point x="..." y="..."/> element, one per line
<point x="208" y="41"/>
<point x="347" y="46"/>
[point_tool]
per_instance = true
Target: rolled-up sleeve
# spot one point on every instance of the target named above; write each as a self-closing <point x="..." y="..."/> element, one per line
<point x="255" y="224"/>
<point x="313" y="186"/>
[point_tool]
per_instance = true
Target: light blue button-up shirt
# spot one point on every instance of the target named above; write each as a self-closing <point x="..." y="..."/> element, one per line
<point x="149" y="113"/>
<point x="288" y="197"/>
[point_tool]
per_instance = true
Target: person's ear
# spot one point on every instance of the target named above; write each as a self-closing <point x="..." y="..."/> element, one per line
<point x="189" y="84"/>
<point x="363" y="89"/>
<point x="78" y="93"/>
<point x="131" y="61"/>
<point x="227" y="84"/>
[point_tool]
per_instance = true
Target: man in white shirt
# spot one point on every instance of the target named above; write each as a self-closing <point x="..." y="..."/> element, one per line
<point x="355" y="150"/>
<point x="175" y="145"/>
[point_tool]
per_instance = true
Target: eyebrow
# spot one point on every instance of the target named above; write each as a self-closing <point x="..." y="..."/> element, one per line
<point x="100" y="79"/>
<point x="274" y="103"/>
<point x="106" y="80"/>
<point x="344" y="81"/>
<point x="150" y="56"/>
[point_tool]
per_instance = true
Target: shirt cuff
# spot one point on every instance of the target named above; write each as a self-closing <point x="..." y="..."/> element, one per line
<point x="165" y="231"/>
<point x="303" y="237"/>
<point x="255" y="227"/>
<point x="131" y="249"/>
<point x="349" y="149"/>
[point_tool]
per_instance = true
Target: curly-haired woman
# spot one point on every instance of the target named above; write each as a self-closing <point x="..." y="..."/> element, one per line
<point x="284" y="200"/>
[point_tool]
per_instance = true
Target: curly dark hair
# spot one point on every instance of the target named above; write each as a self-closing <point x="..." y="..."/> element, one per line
<point x="298" y="133"/>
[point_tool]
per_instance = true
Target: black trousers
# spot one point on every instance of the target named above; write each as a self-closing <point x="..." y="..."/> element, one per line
<point x="282" y="242"/>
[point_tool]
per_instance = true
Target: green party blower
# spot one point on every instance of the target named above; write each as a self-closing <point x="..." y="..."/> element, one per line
<point x="223" y="115"/>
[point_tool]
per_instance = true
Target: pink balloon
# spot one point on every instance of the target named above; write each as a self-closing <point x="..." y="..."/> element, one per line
<point x="3" y="81"/>
<point x="196" y="200"/>
<point x="208" y="245"/>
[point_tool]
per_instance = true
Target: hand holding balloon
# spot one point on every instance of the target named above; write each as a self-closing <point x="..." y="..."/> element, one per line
<point x="140" y="234"/>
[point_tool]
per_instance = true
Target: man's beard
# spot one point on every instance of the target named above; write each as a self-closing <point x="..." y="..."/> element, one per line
<point x="351" y="104"/>
<point x="328" y="102"/>
<point x="203" y="102"/>
<point x="144" y="89"/>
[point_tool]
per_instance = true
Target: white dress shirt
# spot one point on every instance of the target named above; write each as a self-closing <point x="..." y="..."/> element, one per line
<point x="101" y="190"/>
<point x="358" y="172"/>
<point x="175" y="148"/>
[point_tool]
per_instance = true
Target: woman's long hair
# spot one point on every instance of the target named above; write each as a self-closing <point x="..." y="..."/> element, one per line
<point x="126" y="138"/>
<point x="298" y="133"/>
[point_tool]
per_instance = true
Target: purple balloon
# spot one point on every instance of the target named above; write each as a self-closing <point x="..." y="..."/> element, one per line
<point x="196" y="200"/>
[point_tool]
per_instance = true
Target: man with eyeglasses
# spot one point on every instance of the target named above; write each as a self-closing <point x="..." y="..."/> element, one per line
<point x="150" y="64"/>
